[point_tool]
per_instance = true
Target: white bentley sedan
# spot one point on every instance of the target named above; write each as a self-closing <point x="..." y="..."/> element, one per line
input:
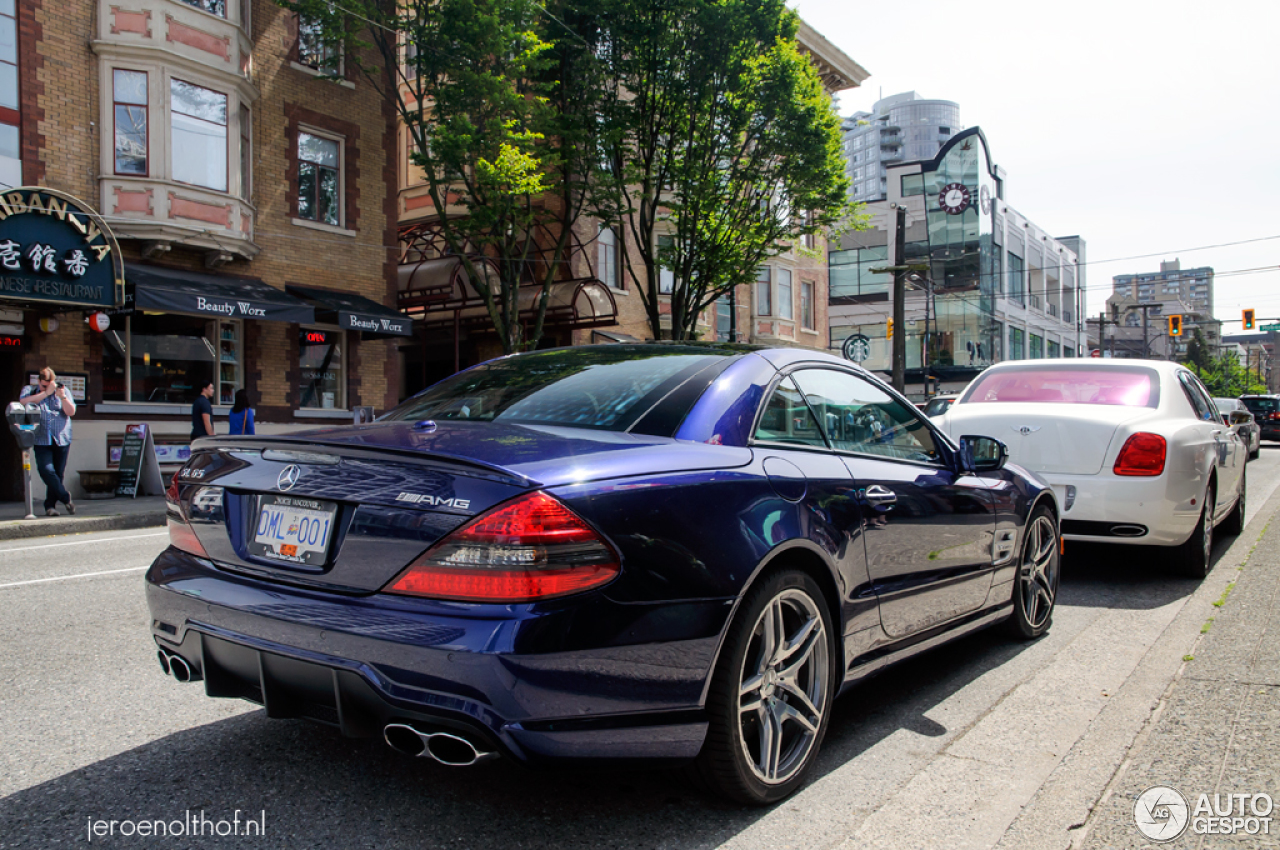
<point x="1135" y="449"/>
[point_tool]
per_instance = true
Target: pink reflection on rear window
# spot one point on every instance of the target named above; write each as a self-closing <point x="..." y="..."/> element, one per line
<point x="1065" y="386"/>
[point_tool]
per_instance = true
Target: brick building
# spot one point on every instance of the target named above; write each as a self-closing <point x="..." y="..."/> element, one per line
<point x="593" y="300"/>
<point x="253" y="197"/>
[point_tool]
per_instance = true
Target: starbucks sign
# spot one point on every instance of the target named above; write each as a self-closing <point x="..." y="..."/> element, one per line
<point x="55" y="249"/>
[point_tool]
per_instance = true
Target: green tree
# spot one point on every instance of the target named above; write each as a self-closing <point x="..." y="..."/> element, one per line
<point x="1225" y="377"/>
<point x="1198" y="351"/>
<point x="723" y="147"/>
<point x="496" y="100"/>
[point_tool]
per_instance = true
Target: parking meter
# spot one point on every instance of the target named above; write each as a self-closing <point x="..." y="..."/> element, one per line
<point x="24" y="423"/>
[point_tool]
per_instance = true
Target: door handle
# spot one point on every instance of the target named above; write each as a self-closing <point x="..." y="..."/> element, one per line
<point x="877" y="495"/>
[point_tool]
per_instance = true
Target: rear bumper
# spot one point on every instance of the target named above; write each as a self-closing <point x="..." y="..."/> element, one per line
<point x="1140" y="511"/>
<point x="360" y="663"/>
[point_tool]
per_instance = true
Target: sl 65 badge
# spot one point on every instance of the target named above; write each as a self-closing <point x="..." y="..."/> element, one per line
<point x="193" y="474"/>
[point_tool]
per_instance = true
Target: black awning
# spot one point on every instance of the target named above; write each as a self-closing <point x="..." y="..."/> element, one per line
<point x="354" y="312"/>
<point x="176" y="291"/>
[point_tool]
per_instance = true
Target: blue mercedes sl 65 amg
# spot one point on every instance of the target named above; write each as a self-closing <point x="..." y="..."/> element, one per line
<point x="656" y="552"/>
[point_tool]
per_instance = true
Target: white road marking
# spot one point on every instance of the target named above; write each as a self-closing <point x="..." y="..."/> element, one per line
<point x="83" y="542"/>
<point x="77" y="575"/>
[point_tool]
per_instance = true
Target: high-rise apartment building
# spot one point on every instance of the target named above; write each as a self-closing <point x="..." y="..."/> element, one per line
<point x="900" y="128"/>
<point x="1172" y="291"/>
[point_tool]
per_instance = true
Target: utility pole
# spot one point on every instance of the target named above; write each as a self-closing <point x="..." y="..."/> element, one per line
<point x="899" y="270"/>
<point x="1145" y="308"/>
<point x="1103" y="321"/>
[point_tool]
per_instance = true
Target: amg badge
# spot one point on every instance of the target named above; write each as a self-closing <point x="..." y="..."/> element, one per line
<point x="439" y="501"/>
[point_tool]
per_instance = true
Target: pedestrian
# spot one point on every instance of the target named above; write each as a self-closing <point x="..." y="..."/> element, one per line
<point x="53" y="438"/>
<point x="202" y="413"/>
<point x="241" y="417"/>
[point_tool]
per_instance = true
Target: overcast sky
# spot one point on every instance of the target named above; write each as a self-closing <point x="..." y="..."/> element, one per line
<point x="1144" y="127"/>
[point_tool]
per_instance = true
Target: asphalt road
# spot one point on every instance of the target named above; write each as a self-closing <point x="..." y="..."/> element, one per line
<point x="982" y="743"/>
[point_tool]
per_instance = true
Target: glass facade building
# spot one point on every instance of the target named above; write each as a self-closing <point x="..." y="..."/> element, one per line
<point x="986" y="284"/>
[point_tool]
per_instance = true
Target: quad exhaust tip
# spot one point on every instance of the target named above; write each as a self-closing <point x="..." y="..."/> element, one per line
<point x="448" y="748"/>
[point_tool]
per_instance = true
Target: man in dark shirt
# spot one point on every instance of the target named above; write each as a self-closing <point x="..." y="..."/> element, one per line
<point x="202" y="414"/>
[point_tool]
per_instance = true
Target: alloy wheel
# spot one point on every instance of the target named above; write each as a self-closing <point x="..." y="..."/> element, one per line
<point x="783" y="688"/>
<point x="1208" y="530"/>
<point x="1038" y="576"/>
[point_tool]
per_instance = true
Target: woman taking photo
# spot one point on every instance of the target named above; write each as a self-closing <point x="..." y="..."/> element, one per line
<point x="241" y="417"/>
<point x="53" y="438"/>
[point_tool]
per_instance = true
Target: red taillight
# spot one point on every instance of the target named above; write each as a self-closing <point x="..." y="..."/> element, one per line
<point x="1274" y="415"/>
<point x="1142" y="454"/>
<point x="529" y="549"/>
<point x="181" y="534"/>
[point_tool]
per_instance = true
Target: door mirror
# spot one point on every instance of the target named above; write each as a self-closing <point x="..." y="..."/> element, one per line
<point x="1240" y="417"/>
<point x="982" y="454"/>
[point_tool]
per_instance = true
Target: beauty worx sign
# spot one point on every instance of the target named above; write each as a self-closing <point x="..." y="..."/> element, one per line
<point x="399" y="327"/>
<point x="55" y="249"/>
<point x="243" y="309"/>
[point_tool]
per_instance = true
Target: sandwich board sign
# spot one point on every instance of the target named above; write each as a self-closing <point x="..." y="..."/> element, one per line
<point x="139" y="468"/>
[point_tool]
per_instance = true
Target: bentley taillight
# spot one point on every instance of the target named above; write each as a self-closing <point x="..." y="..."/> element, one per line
<point x="1142" y="454"/>
<point x="529" y="549"/>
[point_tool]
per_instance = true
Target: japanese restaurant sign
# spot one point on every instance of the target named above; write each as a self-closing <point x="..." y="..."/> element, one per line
<point x="55" y="249"/>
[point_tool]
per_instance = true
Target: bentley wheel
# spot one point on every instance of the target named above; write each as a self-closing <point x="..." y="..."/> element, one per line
<point x="771" y="694"/>
<point x="1036" y="588"/>
<point x="1194" y="557"/>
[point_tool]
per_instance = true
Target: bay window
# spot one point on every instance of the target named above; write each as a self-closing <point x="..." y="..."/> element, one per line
<point x="806" y="305"/>
<point x="786" y="307"/>
<point x="199" y="135"/>
<point x="764" y="292"/>
<point x="129" y="101"/>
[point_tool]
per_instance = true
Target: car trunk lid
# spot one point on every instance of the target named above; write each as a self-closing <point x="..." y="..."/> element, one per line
<point x="1068" y="438"/>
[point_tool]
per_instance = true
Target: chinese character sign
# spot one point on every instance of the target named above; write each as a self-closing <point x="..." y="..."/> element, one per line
<point x="56" y="249"/>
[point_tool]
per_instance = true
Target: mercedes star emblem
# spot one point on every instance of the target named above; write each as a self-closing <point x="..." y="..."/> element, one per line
<point x="288" y="477"/>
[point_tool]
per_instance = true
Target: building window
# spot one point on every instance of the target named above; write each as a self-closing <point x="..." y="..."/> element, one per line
<point x="314" y="50"/>
<point x="319" y="179"/>
<point x="786" y="305"/>
<point x="764" y="292"/>
<point x="129" y="98"/>
<point x="912" y="184"/>
<point x="320" y="358"/>
<point x="1015" y="291"/>
<point x="607" y="257"/>
<point x="168" y="359"/>
<point x="1015" y="343"/>
<point x="1037" y="347"/>
<point x="10" y="147"/>
<point x="724" y="317"/>
<point x="213" y="7"/>
<point x="410" y="66"/>
<point x="198" y="123"/>
<point x="806" y="305"/>
<point x="666" y="277"/>
<point x="246" y="153"/>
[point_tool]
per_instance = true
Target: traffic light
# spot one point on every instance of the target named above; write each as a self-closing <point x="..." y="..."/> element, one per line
<point x="889" y="333"/>
<point x="1246" y="319"/>
<point x="1175" y="326"/>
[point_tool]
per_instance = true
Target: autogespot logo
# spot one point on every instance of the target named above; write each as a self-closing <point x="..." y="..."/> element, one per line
<point x="1161" y="813"/>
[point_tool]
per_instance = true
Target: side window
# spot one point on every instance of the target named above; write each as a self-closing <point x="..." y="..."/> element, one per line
<point x="787" y="419"/>
<point x="1203" y="409"/>
<point x="858" y="416"/>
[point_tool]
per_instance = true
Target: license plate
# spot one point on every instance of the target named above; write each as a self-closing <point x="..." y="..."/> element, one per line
<point x="293" y="529"/>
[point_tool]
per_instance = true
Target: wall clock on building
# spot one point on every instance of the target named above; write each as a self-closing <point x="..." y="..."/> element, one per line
<point x="984" y="198"/>
<point x="954" y="198"/>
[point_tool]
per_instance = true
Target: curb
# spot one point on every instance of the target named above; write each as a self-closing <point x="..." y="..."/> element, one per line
<point x="50" y="526"/>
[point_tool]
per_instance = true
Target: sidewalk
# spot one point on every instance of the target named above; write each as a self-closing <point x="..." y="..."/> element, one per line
<point x="91" y="515"/>
<point x="1217" y="729"/>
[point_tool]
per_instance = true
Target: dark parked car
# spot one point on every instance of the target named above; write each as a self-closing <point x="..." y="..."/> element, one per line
<point x="1238" y="416"/>
<point x="1266" y="410"/>
<point x="657" y="552"/>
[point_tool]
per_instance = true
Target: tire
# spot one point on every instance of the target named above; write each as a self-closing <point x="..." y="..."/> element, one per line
<point x="1194" y="557"/>
<point x="1035" y="589"/>
<point x="1234" y="523"/>
<point x="770" y="699"/>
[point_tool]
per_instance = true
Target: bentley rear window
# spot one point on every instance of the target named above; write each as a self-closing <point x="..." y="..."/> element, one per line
<point x="1127" y="387"/>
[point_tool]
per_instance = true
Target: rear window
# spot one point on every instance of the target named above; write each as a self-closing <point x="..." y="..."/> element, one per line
<point x="1226" y="405"/>
<point x="1262" y="405"/>
<point x="607" y="388"/>
<point x="1129" y="387"/>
